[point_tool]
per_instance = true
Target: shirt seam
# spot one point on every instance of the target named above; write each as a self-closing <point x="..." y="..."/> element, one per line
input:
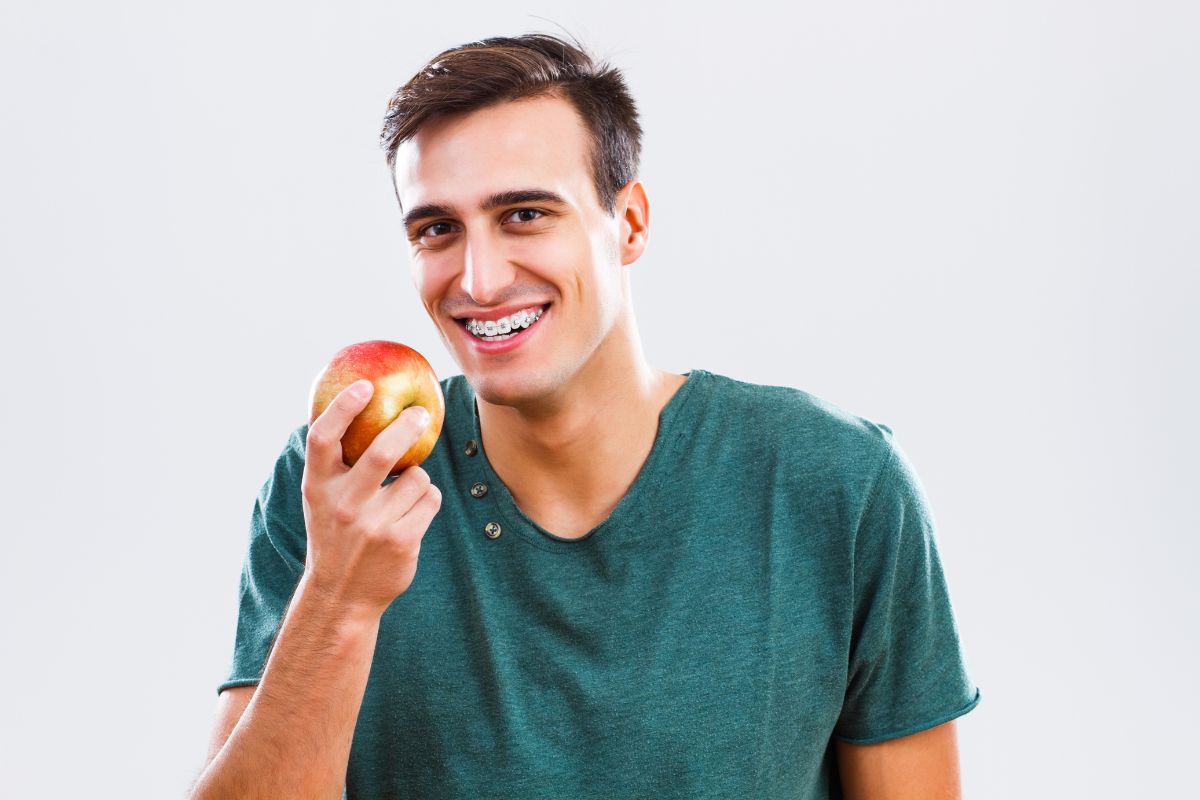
<point x="872" y="495"/>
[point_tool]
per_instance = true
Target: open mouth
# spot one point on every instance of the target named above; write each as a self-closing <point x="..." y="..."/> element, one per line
<point x="505" y="328"/>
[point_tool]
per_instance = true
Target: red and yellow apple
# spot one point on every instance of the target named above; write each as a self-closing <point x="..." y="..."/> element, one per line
<point x="402" y="378"/>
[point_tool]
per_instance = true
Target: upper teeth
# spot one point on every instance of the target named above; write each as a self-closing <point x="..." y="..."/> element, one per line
<point x="493" y="327"/>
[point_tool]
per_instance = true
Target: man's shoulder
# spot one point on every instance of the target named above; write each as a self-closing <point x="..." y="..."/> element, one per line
<point x="795" y="420"/>
<point x="815" y="459"/>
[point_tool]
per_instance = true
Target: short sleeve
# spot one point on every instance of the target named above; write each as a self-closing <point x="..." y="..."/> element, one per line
<point x="273" y="564"/>
<point x="906" y="671"/>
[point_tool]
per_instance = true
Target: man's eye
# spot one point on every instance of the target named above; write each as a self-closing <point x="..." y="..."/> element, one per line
<point x="524" y="215"/>
<point x="435" y="229"/>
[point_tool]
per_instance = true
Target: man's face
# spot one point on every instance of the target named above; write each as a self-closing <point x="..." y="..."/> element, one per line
<point x="502" y="216"/>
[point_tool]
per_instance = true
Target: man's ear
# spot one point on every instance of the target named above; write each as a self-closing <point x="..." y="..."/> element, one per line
<point x="634" y="209"/>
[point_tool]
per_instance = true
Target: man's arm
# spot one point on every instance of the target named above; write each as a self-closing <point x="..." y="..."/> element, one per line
<point x="293" y="737"/>
<point x="231" y="704"/>
<point x="923" y="766"/>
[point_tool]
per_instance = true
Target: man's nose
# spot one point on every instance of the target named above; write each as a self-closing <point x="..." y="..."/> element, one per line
<point x="486" y="270"/>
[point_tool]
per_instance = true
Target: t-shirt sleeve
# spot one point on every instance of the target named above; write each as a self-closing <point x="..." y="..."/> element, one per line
<point x="273" y="564"/>
<point x="906" y="669"/>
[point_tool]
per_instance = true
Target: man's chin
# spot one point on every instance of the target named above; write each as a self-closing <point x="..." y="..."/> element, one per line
<point x="521" y="393"/>
<point x="502" y="390"/>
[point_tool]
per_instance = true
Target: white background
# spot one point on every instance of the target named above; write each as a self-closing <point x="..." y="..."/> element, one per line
<point x="974" y="222"/>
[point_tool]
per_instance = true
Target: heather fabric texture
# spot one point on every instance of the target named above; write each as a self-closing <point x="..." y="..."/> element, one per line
<point x="769" y="582"/>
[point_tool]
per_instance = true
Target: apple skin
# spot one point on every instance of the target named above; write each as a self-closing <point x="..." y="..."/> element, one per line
<point x="402" y="378"/>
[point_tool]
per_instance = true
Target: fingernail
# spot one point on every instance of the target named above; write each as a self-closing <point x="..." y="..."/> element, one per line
<point x="361" y="390"/>
<point x="423" y="417"/>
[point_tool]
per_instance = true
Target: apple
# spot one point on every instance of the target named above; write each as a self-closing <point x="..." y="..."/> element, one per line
<point x="402" y="378"/>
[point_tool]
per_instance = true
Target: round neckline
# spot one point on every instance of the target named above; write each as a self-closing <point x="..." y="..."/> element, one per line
<point x="634" y="502"/>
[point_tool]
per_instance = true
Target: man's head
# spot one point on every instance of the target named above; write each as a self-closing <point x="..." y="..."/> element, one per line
<point x="496" y="70"/>
<point x="514" y="162"/>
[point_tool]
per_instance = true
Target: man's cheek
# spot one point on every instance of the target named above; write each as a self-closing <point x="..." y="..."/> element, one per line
<point x="433" y="274"/>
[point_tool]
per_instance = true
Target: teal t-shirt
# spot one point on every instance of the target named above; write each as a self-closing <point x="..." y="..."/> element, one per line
<point x="770" y="581"/>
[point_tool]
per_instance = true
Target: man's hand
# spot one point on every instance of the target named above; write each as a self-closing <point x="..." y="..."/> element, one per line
<point x="363" y="538"/>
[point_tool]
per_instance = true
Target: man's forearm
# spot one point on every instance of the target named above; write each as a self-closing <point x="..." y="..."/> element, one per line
<point x="294" y="738"/>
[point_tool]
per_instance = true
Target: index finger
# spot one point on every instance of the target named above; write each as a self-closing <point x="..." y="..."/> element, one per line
<point x="324" y="445"/>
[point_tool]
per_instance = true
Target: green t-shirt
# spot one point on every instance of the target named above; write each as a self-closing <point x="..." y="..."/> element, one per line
<point x="769" y="581"/>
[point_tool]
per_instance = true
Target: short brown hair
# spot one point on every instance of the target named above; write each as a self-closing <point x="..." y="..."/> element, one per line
<point x="479" y="74"/>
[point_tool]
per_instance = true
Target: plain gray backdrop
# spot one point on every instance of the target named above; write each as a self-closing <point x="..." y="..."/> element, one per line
<point x="974" y="222"/>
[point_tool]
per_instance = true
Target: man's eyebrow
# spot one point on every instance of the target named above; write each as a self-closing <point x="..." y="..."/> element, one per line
<point x="518" y="196"/>
<point x="426" y="211"/>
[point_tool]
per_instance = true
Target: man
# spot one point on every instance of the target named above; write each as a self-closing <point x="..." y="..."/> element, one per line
<point x="607" y="580"/>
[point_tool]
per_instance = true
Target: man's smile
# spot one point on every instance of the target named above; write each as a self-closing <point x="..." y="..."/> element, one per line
<point x="491" y="334"/>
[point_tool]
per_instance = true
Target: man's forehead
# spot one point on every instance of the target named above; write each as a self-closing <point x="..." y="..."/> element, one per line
<point x="463" y="159"/>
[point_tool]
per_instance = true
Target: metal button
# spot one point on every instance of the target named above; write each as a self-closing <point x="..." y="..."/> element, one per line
<point x="478" y="490"/>
<point x="471" y="448"/>
<point x="492" y="530"/>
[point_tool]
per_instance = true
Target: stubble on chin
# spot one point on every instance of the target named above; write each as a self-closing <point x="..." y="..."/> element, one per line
<point x="533" y="395"/>
<point x="500" y="391"/>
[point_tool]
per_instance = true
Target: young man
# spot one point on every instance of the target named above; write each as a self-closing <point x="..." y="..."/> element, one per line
<point x="607" y="580"/>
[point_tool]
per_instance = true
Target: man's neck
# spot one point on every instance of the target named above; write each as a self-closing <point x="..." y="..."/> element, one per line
<point x="568" y="464"/>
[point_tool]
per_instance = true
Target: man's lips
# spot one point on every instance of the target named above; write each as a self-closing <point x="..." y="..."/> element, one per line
<point x="510" y="341"/>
